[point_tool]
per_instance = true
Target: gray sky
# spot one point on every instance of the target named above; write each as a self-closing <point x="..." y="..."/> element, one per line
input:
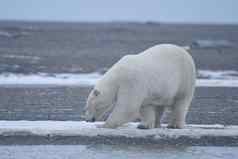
<point x="205" y="11"/>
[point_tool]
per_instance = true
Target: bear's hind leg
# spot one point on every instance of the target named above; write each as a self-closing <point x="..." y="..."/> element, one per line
<point x="148" y="117"/>
<point x="159" y="114"/>
<point x="178" y="114"/>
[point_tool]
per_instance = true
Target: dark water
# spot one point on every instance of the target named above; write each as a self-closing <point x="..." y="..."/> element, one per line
<point x="209" y="106"/>
<point x="85" y="47"/>
<point x="116" y="152"/>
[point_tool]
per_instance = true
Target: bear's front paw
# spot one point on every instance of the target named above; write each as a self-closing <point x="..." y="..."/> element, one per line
<point x="106" y="126"/>
<point x="174" y="127"/>
<point x="144" y="125"/>
<point x="141" y="126"/>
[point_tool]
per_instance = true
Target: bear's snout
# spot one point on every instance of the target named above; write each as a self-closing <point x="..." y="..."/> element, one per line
<point x="89" y="115"/>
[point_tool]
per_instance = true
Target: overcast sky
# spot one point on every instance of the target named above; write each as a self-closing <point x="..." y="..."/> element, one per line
<point x="205" y="11"/>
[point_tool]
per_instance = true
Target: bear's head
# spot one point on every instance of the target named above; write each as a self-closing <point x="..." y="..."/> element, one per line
<point x="99" y="105"/>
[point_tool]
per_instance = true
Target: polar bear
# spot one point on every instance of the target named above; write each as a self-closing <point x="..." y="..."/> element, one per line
<point x="142" y="86"/>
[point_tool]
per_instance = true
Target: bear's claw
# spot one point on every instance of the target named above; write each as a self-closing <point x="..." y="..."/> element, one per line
<point x="174" y="127"/>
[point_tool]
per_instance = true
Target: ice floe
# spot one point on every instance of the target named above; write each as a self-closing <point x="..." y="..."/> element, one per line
<point x="82" y="128"/>
<point x="26" y="57"/>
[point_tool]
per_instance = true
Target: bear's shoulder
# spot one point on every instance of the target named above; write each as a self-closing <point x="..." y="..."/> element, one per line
<point x="124" y="69"/>
<point x="126" y="62"/>
<point x="127" y="58"/>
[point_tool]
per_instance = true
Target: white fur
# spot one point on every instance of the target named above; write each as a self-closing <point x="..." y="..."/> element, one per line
<point x="143" y="85"/>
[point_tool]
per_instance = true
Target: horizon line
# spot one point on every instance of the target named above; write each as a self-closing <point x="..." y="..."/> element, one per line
<point x="119" y="21"/>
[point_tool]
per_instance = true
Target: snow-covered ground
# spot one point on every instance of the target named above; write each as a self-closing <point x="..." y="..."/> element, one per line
<point x="82" y="128"/>
<point x="206" y="78"/>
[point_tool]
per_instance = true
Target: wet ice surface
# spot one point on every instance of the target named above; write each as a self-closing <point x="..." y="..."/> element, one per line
<point x="115" y="151"/>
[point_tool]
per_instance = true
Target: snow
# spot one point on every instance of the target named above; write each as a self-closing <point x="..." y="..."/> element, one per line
<point x="12" y="34"/>
<point x="212" y="43"/>
<point x="206" y="78"/>
<point x="21" y="57"/>
<point x="216" y="83"/>
<point x="219" y="74"/>
<point x="5" y="34"/>
<point x="63" y="79"/>
<point x="82" y="128"/>
<point x="220" y="78"/>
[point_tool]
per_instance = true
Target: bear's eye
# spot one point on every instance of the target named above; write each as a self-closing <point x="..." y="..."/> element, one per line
<point x="96" y="92"/>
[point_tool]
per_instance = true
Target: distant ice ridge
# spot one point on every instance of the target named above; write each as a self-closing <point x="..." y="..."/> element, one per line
<point x="204" y="43"/>
<point x="7" y="34"/>
<point x="206" y="78"/>
<point x="21" y="57"/>
<point x="216" y="83"/>
<point x="208" y="74"/>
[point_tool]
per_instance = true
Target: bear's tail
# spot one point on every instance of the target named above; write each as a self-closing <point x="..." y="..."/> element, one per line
<point x="187" y="48"/>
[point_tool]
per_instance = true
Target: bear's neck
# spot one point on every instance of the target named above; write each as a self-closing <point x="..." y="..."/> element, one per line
<point x="109" y="83"/>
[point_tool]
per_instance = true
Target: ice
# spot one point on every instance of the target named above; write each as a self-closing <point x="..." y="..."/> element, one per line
<point x="5" y="34"/>
<point x="212" y="44"/>
<point x="216" y="83"/>
<point x="63" y="79"/>
<point x="206" y="78"/>
<point x="21" y="57"/>
<point x="12" y="34"/>
<point x="101" y="151"/>
<point x="220" y="78"/>
<point x="219" y="74"/>
<point x="82" y="128"/>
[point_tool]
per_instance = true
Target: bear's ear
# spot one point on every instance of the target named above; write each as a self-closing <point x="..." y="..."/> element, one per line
<point x="96" y="92"/>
